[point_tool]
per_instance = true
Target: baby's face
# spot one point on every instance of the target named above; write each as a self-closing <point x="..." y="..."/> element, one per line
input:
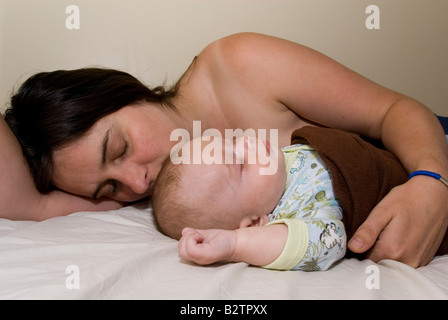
<point x="238" y="190"/>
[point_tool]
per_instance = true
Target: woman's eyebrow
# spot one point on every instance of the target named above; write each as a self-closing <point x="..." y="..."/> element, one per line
<point x="104" y="148"/>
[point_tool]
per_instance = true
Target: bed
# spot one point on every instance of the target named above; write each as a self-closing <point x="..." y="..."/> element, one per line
<point x="121" y="255"/>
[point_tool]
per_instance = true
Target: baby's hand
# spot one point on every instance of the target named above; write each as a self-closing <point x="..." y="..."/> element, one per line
<point x="207" y="246"/>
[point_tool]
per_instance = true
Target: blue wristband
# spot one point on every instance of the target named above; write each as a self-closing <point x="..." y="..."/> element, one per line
<point x="429" y="174"/>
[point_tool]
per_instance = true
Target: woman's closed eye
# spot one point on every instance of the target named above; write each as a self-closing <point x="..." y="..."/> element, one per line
<point x="110" y="188"/>
<point x="122" y="151"/>
<point x="112" y="185"/>
<point x="106" y="189"/>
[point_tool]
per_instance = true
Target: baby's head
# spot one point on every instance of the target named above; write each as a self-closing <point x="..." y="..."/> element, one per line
<point x="218" y="195"/>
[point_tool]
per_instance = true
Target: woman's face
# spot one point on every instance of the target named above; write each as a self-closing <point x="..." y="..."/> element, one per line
<point x="119" y="157"/>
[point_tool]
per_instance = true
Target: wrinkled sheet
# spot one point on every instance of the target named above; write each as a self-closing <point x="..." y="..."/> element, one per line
<point x="121" y="255"/>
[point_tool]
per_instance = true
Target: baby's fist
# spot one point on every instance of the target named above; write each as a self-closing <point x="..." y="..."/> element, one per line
<point x="207" y="246"/>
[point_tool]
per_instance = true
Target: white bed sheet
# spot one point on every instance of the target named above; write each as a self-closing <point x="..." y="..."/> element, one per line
<point x="120" y="255"/>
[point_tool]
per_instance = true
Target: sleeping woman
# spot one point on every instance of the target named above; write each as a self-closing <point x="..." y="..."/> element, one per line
<point x="92" y="139"/>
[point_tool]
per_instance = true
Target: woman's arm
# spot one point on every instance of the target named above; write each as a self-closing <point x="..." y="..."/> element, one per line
<point x="257" y="246"/>
<point x="412" y="220"/>
<point x="20" y="200"/>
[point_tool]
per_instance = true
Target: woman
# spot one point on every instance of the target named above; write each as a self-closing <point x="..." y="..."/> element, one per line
<point x="116" y="148"/>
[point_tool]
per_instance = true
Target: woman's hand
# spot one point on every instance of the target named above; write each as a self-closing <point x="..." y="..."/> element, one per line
<point x="408" y="225"/>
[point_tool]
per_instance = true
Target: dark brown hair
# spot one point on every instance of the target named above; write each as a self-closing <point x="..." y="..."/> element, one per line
<point x="54" y="108"/>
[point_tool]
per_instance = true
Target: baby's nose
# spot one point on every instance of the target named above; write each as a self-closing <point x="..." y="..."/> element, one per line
<point x="246" y="148"/>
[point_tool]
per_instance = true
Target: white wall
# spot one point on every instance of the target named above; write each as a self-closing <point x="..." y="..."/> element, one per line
<point x="155" y="40"/>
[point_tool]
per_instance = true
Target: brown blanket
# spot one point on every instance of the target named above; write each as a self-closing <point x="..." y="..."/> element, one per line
<point x="361" y="173"/>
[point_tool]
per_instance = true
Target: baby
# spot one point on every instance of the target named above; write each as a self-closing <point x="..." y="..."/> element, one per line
<point x="230" y="212"/>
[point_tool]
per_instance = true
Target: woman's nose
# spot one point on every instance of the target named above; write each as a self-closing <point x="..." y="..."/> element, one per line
<point x="135" y="178"/>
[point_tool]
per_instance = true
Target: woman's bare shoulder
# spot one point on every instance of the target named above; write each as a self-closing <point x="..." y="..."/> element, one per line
<point x="239" y="49"/>
<point x="255" y="58"/>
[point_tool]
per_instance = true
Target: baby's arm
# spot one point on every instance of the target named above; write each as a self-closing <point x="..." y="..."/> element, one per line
<point x="257" y="246"/>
